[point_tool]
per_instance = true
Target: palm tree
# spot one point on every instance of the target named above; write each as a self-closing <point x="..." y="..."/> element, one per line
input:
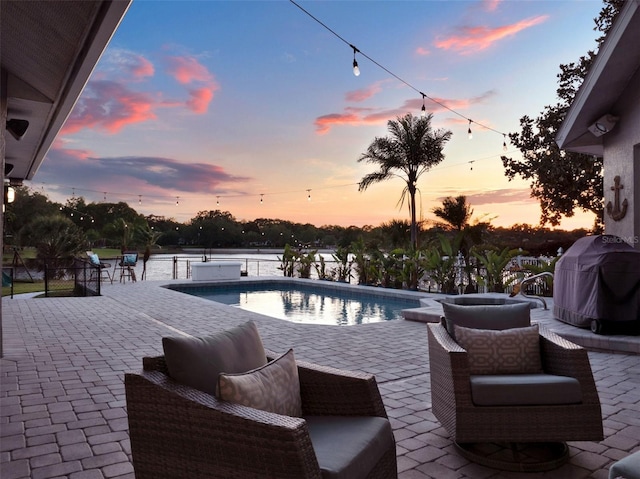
<point x="57" y="240"/>
<point x="412" y="149"/>
<point x="455" y="214"/>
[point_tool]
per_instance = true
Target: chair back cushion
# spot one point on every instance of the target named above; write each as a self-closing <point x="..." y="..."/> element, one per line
<point x="511" y="351"/>
<point x="94" y="259"/>
<point x="486" y="316"/>
<point x="197" y="362"/>
<point x="274" y="387"/>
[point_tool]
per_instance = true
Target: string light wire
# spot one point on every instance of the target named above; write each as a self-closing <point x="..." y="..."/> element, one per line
<point x="397" y="77"/>
<point x="176" y="199"/>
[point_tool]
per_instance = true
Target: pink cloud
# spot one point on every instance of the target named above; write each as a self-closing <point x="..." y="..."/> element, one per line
<point x="122" y="63"/>
<point x="363" y="93"/>
<point x="367" y="116"/>
<point x="491" y="5"/>
<point x="504" y="195"/>
<point x="187" y="70"/>
<point x="109" y="106"/>
<point x="474" y="39"/>
<point x="144" y="68"/>
<point x="423" y="51"/>
<point x="200" y="99"/>
<point x="325" y="122"/>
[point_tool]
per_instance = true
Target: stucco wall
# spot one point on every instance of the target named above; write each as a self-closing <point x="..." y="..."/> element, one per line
<point x="622" y="158"/>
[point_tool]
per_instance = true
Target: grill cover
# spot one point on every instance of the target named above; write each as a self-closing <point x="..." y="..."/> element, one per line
<point x="598" y="278"/>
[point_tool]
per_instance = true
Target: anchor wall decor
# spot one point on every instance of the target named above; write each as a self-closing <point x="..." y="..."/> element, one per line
<point x="614" y="210"/>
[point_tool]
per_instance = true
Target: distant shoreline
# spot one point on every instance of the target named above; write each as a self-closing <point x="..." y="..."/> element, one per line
<point x="246" y="250"/>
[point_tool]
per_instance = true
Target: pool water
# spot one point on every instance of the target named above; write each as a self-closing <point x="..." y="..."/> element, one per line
<point x="307" y="304"/>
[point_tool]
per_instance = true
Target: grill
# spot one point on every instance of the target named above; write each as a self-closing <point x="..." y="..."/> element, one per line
<point x="597" y="285"/>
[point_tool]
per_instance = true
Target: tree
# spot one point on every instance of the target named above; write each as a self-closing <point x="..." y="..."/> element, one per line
<point x="561" y="181"/>
<point x="456" y="215"/>
<point x="27" y="205"/>
<point x="412" y="149"/>
<point x="57" y="241"/>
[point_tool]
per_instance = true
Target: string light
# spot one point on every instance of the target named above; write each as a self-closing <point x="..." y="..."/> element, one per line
<point x="423" y="113"/>
<point x="105" y="197"/>
<point x="356" y="70"/>
<point x="177" y="200"/>
<point x="123" y="195"/>
<point x="139" y="199"/>
<point x="469" y="131"/>
<point x="471" y="163"/>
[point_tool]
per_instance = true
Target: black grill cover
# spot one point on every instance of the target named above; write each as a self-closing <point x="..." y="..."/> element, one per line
<point x="597" y="278"/>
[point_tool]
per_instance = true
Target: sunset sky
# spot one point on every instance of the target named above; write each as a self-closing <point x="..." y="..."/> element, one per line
<point x="252" y="107"/>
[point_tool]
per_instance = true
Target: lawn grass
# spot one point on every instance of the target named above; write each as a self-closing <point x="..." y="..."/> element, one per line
<point x="21" y="286"/>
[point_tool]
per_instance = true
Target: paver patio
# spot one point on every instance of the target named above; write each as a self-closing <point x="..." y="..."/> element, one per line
<point x="63" y="412"/>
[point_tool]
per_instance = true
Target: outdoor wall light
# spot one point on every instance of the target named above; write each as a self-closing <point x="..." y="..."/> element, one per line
<point x="9" y="194"/>
<point x="603" y="125"/>
<point x="17" y="128"/>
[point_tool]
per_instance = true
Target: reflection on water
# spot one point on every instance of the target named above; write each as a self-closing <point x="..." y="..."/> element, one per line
<point x="303" y="305"/>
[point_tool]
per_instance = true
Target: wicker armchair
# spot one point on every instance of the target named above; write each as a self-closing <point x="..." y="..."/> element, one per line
<point x="180" y="432"/>
<point x="467" y="423"/>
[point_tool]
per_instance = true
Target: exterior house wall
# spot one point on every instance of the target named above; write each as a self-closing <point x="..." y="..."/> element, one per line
<point x="622" y="158"/>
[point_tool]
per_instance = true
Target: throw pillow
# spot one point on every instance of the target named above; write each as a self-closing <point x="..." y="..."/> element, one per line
<point x="500" y="316"/>
<point x="94" y="259"/>
<point x="129" y="259"/>
<point x="274" y="387"/>
<point x="197" y="362"/>
<point x="511" y="351"/>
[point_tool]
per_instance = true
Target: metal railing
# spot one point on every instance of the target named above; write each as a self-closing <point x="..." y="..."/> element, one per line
<point x="531" y="279"/>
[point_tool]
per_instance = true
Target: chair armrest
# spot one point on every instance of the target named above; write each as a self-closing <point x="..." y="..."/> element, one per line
<point x="564" y="358"/>
<point x="449" y="369"/>
<point x="178" y="431"/>
<point x="328" y="391"/>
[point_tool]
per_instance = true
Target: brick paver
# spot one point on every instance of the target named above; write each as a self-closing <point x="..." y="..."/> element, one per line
<point x="63" y="411"/>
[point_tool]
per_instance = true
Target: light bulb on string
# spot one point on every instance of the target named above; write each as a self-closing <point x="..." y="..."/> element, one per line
<point x="423" y="113"/>
<point x="471" y="163"/>
<point x="105" y="196"/>
<point x="177" y="200"/>
<point x="469" y="131"/>
<point x="139" y="199"/>
<point x="308" y="195"/>
<point x="356" y="70"/>
<point x="261" y="196"/>
<point x="504" y="142"/>
<point x="217" y="201"/>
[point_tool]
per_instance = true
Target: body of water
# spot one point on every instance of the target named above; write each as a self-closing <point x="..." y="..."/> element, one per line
<point x="161" y="266"/>
<point x="308" y="304"/>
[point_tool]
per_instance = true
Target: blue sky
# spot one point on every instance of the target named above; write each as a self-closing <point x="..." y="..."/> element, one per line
<point x="251" y="107"/>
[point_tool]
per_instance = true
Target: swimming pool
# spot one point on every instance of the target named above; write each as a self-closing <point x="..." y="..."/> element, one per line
<point x="306" y="303"/>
